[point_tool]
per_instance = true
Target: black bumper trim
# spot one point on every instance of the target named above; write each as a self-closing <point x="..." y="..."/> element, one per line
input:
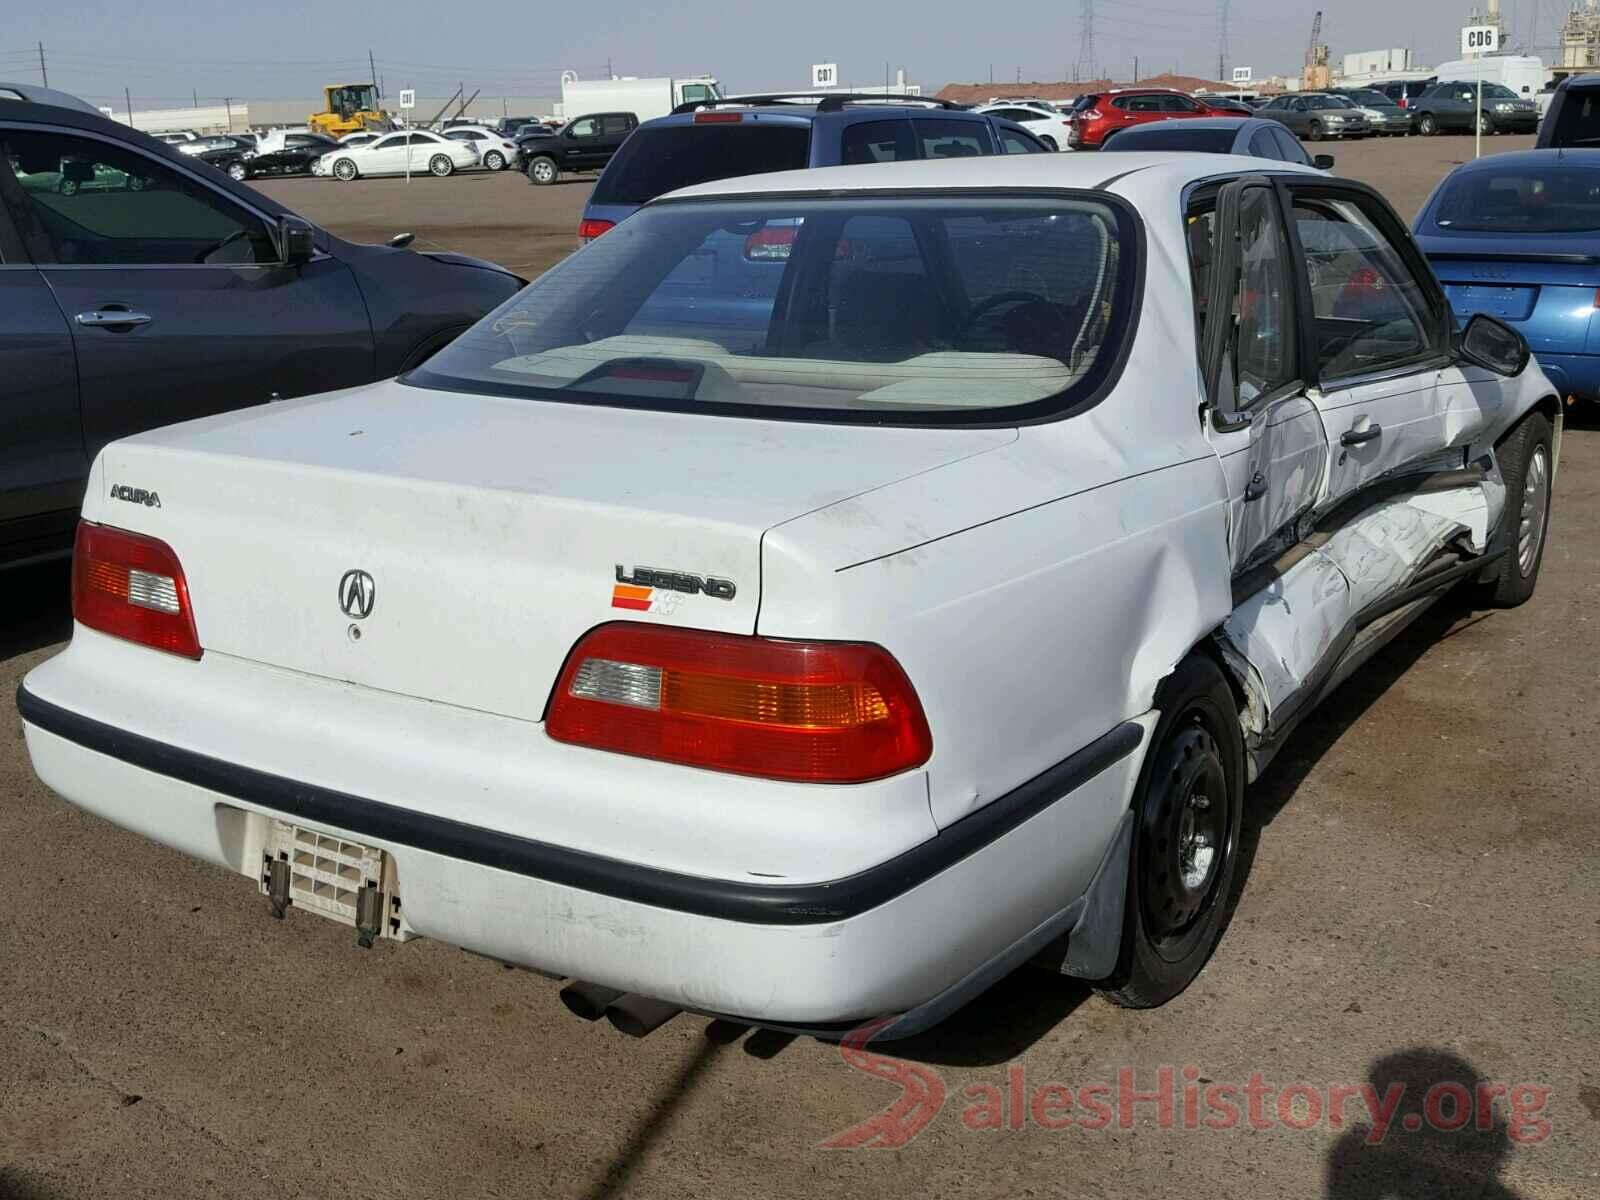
<point x="731" y="900"/>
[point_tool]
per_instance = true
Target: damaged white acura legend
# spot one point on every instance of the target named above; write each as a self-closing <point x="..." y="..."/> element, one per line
<point x="817" y="597"/>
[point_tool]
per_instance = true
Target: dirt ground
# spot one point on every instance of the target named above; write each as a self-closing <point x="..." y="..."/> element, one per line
<point x="1421" y="909"/>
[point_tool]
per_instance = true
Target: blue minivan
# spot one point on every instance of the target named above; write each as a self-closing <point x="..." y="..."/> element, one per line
<point x="753" y="135"/>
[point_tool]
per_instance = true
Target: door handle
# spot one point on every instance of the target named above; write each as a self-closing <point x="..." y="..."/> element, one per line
<point x="112" y="316"/>
<point x="1354" y="437"/>
<point x="1256" y="488"/>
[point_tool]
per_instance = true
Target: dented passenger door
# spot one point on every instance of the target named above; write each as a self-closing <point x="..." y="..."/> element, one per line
<point x="1377" y="337"/>
<point x="1266" y="431"/>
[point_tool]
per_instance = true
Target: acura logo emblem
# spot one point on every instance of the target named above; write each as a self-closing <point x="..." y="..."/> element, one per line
<point x="357" y="594"/>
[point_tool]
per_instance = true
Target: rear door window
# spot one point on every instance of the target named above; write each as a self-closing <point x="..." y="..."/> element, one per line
<point x="877" y="141"/>
<point x="658" y="160"/>
<point x="1578" y="121"/>
<point x="953" y="139"/>
<point x="614" y="125"/>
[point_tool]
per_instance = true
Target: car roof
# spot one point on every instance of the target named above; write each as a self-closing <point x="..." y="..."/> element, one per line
<point x="34" y="94"/>
<point x="1530" y="159"/>
<point x="1235" y="124"/>
<point x="805" y="114"/>
<point x="1156" y="173"/>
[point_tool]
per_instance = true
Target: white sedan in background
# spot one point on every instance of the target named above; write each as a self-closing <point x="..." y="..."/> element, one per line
<point x="495" y="152"/>
<point x="1047" y="124"/>
<point x="415" y="151"/>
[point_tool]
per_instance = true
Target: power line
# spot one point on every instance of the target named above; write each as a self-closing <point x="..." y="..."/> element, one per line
<point x="1086" y="57"/>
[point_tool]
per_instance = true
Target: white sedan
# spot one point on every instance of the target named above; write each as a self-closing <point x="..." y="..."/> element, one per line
<point x="818" y="597"/>
<point x="494" y="151"/>
<point x="1045" y="123"/>
<point x="388" y="155"/>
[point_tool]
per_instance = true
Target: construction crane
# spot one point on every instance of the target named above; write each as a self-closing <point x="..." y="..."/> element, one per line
<point x="1316" y="75"/>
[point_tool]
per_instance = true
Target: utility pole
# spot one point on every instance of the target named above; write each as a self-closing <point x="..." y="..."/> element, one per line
<point x="1136" y="68"/>
<point x="372" y="65"/>
<point x="194" y="94"/>
<point x="128" y="100"/>
<point x="1222" y="36"/>
<point x="227" y="102"/>
<point x="44" y="75"/>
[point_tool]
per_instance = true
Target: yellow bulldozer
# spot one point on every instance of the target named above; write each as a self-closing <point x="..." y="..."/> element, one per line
<point x="349" y="107"/>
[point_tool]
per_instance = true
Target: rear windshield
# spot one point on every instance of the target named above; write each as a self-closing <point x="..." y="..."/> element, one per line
<point x="917" y="309"/>
<point x="1553" y="199"/>
<point x="1377" y="99"/>
<point x="1173" y="137"/>
<point x="654" y="162"/>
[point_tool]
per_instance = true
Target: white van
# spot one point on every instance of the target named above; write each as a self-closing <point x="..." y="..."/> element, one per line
<point x="1524" y="74"/>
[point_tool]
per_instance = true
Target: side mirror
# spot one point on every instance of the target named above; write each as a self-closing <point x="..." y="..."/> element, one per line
<point x="1323" y="162"/>
<point x="297" y="240"/>
<point x="1490" y="343"/>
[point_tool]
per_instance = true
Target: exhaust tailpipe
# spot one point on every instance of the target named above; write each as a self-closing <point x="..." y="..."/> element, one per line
<point x="588" y="1000"/>
<point x="637" y="1016"/>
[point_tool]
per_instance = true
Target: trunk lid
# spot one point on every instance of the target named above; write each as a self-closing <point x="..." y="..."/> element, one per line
<point x="491" y="528"/>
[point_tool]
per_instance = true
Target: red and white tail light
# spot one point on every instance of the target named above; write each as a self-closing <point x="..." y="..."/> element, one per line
<point x="132" y="587"/>
<point x="817" y="712"/>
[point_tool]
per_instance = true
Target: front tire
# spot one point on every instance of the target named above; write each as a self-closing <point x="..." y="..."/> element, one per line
<point x="1526" y="465"/>
<point x="1188" y="812"/>
<point x="1314" y="134"/>
<point x="494" y="161"/>
<point x="1427" y="125"/>
<point x="543" y="171"/>
<point x="237" y="172"/>
<point x="440" y="165"/>
<point x="1486" y="125"/>
<point x="345" y="170"/>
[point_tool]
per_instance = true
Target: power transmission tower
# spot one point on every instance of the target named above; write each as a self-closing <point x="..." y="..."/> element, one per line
<point x="1222" y="36"/>
<point x="1086" y="56"/>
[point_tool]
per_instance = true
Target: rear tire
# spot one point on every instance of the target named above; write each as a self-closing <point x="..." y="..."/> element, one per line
<point x="1427" y="125"/>
<point x="543" y="171"/>
<point x="1188" y="811"/>
<point x="441" y="166"/>
<point x="1525" y="465"/>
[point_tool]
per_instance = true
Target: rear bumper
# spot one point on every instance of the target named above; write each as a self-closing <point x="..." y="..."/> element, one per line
<point x="886" y="938"/>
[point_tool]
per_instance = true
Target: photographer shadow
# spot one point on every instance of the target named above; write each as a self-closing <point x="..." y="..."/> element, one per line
<point x="1459" y="1152"/>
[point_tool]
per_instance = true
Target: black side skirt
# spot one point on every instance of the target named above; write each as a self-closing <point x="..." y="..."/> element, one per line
<point x="730" y="900"/>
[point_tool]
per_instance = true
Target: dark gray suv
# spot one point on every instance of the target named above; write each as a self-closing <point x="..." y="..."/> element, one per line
<point x="139" y="286"/>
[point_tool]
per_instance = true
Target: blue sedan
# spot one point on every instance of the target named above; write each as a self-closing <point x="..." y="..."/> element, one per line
<point x="1517" y="236"/>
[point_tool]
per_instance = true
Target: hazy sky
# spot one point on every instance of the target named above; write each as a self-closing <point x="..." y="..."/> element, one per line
<point x="164" y="50"/>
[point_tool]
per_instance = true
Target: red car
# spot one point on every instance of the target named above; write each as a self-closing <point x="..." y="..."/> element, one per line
<point x="1096" y="117"/>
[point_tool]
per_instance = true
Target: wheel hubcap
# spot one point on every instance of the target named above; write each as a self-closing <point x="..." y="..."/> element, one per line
<point x="542" y="171"/>
<point x="1535" y="503"/>
<point x="1184" y="832"/>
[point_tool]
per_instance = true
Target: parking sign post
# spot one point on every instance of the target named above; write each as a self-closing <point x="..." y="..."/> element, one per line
<point x="1241" y="76"/>
<point x="408" y="101"/>
<point x="1478" y="40"/>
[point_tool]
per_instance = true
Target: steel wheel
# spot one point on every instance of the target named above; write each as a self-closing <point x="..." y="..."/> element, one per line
<point x="1185" y="837"/>
<point x="1535" y="505"/>
<point x="542" y="170"/>
<point x="344" y="170"/>
<point x="494" y="161"/>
